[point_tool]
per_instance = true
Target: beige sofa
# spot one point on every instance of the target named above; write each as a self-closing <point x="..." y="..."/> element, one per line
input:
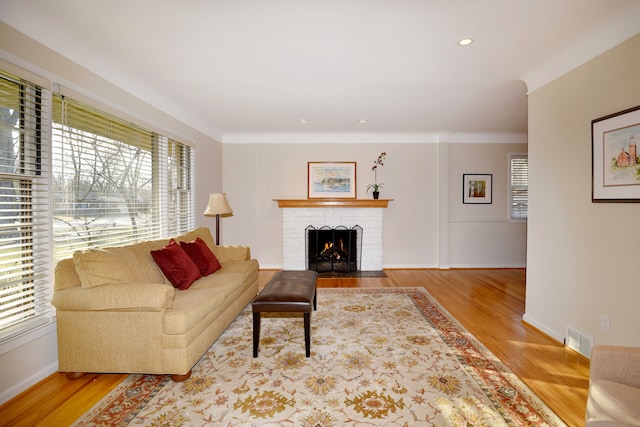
<point x="116" y="312"/>
<point x="614" y="387"/>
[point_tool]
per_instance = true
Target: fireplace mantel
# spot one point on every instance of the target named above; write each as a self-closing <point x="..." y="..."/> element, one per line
<point x="333" y="203"/>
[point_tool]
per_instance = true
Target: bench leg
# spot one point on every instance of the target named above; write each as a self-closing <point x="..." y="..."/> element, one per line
<point x="315" y="299"/>
<point x="307" y="333"/>
<point x="256" y="332"/>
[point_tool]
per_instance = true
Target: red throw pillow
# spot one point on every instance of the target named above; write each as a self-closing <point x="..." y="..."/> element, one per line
<point x="176" y="265"/>
<point x="202" y="256"/>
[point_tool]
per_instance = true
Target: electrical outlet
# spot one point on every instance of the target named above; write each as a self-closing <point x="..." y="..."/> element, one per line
<point x="604" y="323"/>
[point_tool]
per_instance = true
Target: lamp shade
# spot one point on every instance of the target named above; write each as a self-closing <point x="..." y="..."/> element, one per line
<point x="218" y="205"/>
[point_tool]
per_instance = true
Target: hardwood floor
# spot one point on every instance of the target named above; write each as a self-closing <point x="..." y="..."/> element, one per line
<point x="488" y="303"/>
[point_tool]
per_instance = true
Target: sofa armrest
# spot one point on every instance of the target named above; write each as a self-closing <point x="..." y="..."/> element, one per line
<point x="615" y="363"/>
<point x="231" y="253"/>
<point x="119" y="296"/>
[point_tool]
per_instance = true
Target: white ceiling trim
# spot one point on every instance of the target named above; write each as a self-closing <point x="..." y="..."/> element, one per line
<point x="374" y="138"/>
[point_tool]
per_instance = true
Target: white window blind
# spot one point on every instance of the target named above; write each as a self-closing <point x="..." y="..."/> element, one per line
<point x="181" y="163"/>
<point x="519" y="179"/>
<point x="25" y="273"/>
<point x="114" y="181"/>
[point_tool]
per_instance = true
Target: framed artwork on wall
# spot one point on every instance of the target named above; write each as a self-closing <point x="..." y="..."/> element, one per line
<point x="615" y="168"/>
<point x="331" y="180"/>
<point x="476" y="188"/>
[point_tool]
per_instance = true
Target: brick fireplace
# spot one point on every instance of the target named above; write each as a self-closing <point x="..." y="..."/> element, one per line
<point x="298" y="215"/>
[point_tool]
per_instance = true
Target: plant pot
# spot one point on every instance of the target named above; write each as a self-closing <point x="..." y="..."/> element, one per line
<point x="376" y="194"/>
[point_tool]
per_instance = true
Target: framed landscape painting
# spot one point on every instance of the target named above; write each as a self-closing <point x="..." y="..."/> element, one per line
<point x="476" y="188"/>
<point x="331" y="180"/>
<point x="615" y="161"/>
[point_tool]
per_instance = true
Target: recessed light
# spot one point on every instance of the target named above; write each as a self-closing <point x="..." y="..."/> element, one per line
<point x="303" y="121"/>
<point x="465" y="42"/>
<point x="363" y="121"/>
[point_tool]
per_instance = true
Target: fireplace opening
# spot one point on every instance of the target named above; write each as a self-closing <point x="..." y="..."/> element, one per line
<point x="334" y="249"/>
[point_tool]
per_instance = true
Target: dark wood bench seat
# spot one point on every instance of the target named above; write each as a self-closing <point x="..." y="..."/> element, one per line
<point x="287" y="292"/>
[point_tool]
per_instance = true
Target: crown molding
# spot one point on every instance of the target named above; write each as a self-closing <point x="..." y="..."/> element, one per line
<point x="376" y="138"/>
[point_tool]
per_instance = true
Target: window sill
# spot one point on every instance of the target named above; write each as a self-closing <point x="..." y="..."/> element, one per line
<point x="21" y="338"/>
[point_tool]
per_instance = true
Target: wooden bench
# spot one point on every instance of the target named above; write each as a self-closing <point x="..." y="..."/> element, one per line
<point x="287" y="292"/>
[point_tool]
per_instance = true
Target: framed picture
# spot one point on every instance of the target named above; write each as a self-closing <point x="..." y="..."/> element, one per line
<point x="615" y="165"/>
<point x="332" y="180"/>
<point x="476" y="188"/>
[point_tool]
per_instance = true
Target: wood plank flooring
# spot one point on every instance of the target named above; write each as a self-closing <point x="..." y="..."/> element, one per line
<point x="488" y="303"/>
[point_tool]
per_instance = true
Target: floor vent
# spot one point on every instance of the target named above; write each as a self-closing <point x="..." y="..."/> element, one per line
<point x="579" y="342"/>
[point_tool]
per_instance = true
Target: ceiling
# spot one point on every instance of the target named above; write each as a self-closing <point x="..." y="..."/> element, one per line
<point x="250" y="70"/>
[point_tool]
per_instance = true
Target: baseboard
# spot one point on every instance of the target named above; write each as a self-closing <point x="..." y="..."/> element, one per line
<point x="487" y="266"/>
<point x="409" y="266"/>
<point x="543" y="329"/>
<point x="422" y="266"/>
<point x="30" y="381"/>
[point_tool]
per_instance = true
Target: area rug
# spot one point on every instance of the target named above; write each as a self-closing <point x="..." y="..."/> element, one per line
<point x="379" y="357"/>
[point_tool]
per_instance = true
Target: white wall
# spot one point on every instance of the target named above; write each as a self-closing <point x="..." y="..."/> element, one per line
<point x="580" y="265"/>
<point x="254" y="174"/>
<point x="480" y="235"/>
<point x="208" y="179"/>
<point x="34" y="356"/>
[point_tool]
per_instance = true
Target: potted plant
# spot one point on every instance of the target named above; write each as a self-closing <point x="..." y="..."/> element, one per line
<point x="375" y="186"/>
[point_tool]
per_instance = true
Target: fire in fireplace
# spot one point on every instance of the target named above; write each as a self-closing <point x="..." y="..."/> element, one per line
<point x="334" y="249"/>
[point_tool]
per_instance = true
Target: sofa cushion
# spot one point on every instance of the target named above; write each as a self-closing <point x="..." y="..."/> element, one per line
<point x="114" y="296"/>
<point x="202" y="232"/>
<point x="613" y="402"/>
<point x="66" y="275"/>
<point x="227" y="254"/>
<point x="189" y="308"/>
<point x="202" y="256"/>
<point x="231" y="285"/>
<point x="126" y="264"/>
<point x="224" y="254"/>
<point x="247" y="268"/>
<point x="176" y="265"/>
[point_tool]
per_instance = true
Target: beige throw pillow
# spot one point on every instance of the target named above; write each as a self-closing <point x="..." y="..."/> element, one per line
<point x="97" y="267"/>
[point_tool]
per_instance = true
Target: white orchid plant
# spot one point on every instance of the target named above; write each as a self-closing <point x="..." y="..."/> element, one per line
<point x="379" y="162"/>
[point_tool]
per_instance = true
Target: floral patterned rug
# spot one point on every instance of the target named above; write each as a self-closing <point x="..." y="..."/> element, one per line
<point x="379" y="357"/>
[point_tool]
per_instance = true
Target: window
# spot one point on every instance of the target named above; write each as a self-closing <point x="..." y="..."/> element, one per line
<point x="519" y="190"/>
<point x="115" y="182"/>
<point x="74" y="177"/>
<point x="25" y="273"/>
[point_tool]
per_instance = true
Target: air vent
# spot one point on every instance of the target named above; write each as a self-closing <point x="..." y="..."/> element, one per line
<point x="579" y="342"/>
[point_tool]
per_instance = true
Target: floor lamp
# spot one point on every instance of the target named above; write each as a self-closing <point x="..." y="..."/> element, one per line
<point x="218" y="205"/>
